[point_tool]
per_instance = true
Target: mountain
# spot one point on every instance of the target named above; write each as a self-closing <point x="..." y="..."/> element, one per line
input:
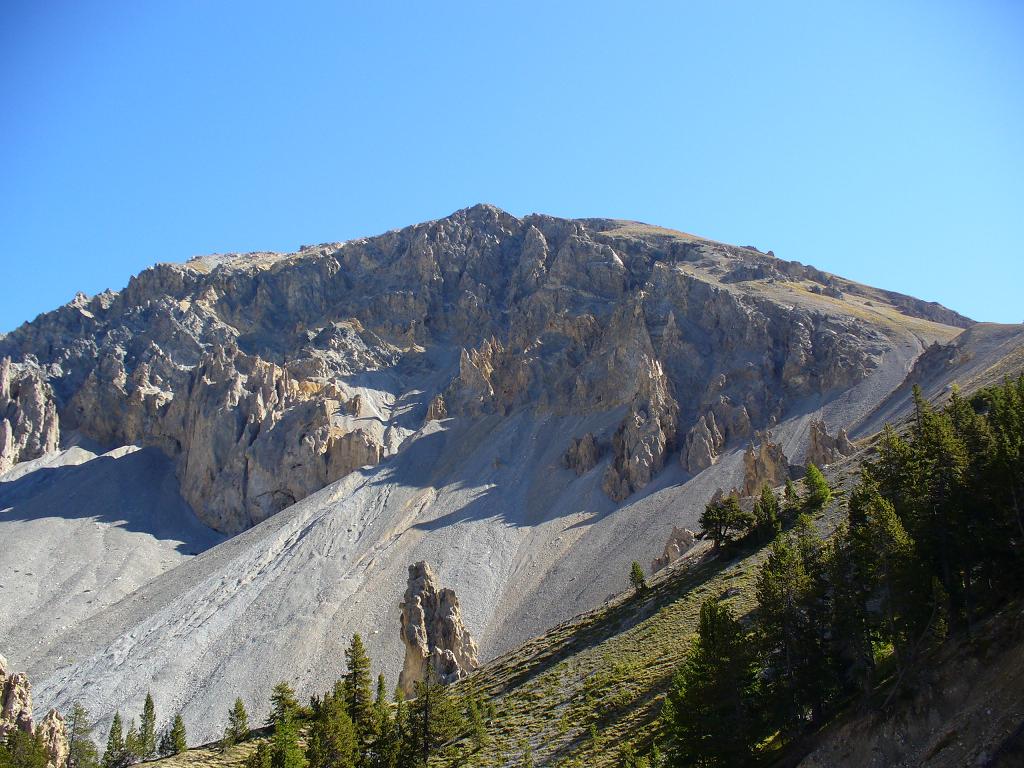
<point x="255" y="447"/>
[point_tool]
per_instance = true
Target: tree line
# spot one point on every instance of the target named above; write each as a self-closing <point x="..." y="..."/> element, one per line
<point x="356" y="725"/>
<point x="932" y="541"/>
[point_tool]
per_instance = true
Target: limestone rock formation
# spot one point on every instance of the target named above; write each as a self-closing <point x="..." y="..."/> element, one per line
<point x="582" y="454"/>
<point x="645" y="437"/>
<point x="678" y="544"/>
<point x="437" y="408"/>
<point x="765" y="465"/>
<point x="435" y="638"/>
<point x="265" y="376"/>
<point x="825" y="449"/>
<point x="15" y="701"/>
<point x="53" y="732"/>
<point x="16" y="714"/>
<point x="29" y="424"/>
<point x="703" y="442"/>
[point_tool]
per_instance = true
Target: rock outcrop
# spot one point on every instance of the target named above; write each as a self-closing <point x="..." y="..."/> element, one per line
<point x="53" y="732"/>
<point x="15" y="701"/>
<point x="679" y="543"/>
<point x="582" y="454"/>
<point x="825" y="449"/>
<point x="435" y="638"/>
<point x="765" y="465"/>
<point x="703" y="442"/>
<point x="265" y="376"/>
<point x="29" y="424"/>
<point x="16" y="714"/>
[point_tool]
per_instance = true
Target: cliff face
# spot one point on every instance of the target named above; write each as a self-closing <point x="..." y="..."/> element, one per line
<point x="267" y="376"/>
<point x="29" y="426"/>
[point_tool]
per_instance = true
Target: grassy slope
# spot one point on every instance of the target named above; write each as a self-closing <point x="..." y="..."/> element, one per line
<point x="610" y="668"/>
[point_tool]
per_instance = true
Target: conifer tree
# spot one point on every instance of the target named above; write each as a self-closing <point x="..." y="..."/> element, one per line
<point x="23" y="750"/>
<point x="285" y="751"/>
<point x="359" y="694"/>
<point x="407" y="756"/>
<point x="766" y="515"/>
<point x="637" y="578"/>
<point x="819" y="494"/>
<point x="434" y="717"/>
<point x="791" y="499"/>
<point x="386" y="743"/>
<point x="260" y="757"/>
<point x="132" y="744"/>
<point x="177" y="739"/>
<point x="724" y="518"/>
<point x="81" y="750"/>
<point x="114" y="755"/>
<point x="332" y="741"/>
<point x="477" y="725"/>
<point x="282" y="702"/>
<point x="147" y="730"/>
<point x="708" y="713"/>
<point x="238" y="725"/>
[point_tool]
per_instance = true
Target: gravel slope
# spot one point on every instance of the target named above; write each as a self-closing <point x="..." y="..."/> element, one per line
<point x="525" y="543"/>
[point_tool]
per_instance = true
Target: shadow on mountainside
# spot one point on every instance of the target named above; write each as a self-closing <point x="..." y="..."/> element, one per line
<point x="137" y="492"/>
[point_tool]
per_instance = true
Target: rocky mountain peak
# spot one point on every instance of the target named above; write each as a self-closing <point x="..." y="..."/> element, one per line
<point x="266" y="376"/>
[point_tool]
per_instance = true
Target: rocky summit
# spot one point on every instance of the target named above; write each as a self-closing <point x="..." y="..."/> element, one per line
<point x="529" y="404"/>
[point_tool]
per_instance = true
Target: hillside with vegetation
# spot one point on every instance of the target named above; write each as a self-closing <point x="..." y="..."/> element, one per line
<point x="840" y="601"/>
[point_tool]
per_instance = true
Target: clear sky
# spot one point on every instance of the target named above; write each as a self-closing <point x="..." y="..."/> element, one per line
<point x="880" y="141"/>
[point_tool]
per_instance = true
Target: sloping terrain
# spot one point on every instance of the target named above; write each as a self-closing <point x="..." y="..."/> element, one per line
<point x="350" y="409"/>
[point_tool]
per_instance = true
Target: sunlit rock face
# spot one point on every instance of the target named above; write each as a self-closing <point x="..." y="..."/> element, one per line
<point x="266" y="376"/>
<point x="437" y="644"/>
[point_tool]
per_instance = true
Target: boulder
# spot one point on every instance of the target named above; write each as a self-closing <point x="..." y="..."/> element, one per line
<point x="825" y="449"/>
<point x="582" y="454"/>
<point x="765" y="465"/>
<point x="679" y="542"/>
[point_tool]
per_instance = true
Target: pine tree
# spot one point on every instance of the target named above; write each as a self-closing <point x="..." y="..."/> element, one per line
<point x="282" y="702"/>
<point x="114" y="755"/>
<point x="819" y="494"/>
<point x="81" y="750"/>
<point x="477" y="724"/>
<point x="147" y="729"/>
<point x="889" y="568"/>
<point x="791" y="499"/>
<point x="285" y="751"/>
<point x="637" y="578"/>
<point x="766" y="515"/>
<point x="238" y="725"/>
<point x="176" y="739"/>
<point x="723" y="518"/>
<point x="708" y="713"/>
<point x="794" y="615"/>
<point x="332" y="741"/>
<point x="434" y="717"/>
<point x="386" y="745"/>
<point x="407" y="757"/>
<point x="23" y="750"/>
<point x="359" y="694"/>
<point x="132" y="744"/>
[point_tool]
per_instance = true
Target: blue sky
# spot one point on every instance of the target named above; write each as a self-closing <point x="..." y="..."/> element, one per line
<point x="880" y="141"/>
